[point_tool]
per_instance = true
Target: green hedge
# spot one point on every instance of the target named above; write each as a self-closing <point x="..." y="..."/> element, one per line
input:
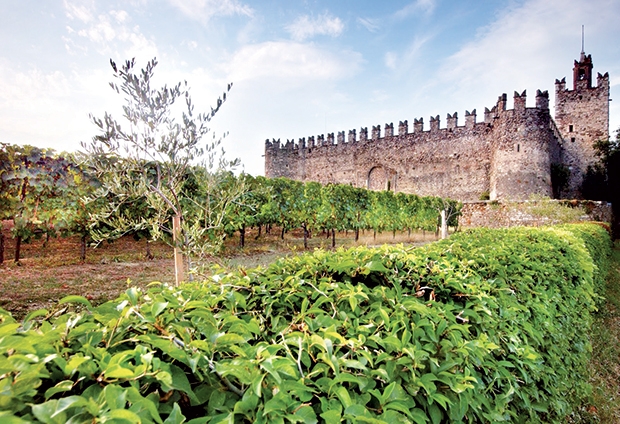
<point x="488" y="326"/>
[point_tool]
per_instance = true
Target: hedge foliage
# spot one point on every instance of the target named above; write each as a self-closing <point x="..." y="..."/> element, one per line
<point x="488" y="326"/>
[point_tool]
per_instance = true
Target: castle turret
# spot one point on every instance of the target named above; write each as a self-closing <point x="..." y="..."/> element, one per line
<point x="582" y="118"/>
<point x="520" y="161"/>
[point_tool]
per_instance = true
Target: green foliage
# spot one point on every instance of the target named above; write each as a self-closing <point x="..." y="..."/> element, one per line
<point x="293" y="204"/>
<point x="602" y="178"/>
<point x="40" y="192"/>
<point x="605" y="373"/>
<point x="487" y="326"/>
<point x="599" y="245"/>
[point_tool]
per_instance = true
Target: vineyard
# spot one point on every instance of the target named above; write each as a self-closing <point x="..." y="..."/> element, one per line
<point x="48" y="195"/>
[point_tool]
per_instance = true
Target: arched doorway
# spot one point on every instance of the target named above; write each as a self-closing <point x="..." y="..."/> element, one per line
<point x="378" y="179"/>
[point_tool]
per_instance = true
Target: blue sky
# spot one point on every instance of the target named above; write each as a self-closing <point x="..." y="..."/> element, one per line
<point x="299" y="68"/>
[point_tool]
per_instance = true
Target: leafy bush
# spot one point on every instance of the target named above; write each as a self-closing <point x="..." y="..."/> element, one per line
<point x="488" y="326"/>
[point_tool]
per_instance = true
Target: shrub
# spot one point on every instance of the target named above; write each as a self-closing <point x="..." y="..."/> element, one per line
<point x="490" y="325"/>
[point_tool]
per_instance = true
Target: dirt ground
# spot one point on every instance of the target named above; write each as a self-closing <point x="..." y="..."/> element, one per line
<point x="50" y="270"/>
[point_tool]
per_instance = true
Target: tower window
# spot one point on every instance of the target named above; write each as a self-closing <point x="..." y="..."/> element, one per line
<point x="570" y="128"/>
<point x="572" y="139"/>
<point x="518" y="148"/>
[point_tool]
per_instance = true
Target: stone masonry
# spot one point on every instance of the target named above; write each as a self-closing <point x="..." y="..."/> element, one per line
<point x="508" y="154"/>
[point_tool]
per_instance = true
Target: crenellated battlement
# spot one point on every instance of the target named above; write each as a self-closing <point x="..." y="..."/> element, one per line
<point x="452" y="125"/>
<point x="507" y="155"/>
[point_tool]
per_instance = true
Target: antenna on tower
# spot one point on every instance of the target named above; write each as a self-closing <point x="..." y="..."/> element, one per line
<point x="583" y="53"/>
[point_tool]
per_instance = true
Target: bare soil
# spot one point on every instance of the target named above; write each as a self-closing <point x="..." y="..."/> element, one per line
<point x="51" y="269"/>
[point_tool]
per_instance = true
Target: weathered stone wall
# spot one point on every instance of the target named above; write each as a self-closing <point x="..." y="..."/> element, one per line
<point x="521" y="164"/>
<point x="494" y="214"/>
<point x="452" y="162"/>
<point x="507" y="155"/>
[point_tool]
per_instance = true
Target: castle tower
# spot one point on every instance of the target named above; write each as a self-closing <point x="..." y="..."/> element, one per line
<point x="521" y="155"/>
<point x="582" y="118"/>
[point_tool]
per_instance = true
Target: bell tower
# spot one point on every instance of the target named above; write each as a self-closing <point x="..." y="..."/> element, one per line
<point x="582" y="72"/>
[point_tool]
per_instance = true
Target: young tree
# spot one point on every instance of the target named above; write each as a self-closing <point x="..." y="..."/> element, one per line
<point x="602" y="179"/>
<point x="153" y="153"/>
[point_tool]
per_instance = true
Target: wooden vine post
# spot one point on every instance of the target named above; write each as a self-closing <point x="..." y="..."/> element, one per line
<point x="179" y="264"/>
<point x="444" y="224"/>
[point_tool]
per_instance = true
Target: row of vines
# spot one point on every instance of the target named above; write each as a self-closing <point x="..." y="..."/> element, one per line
<point x="47" y="195"/>
<point x="311" y="206"/>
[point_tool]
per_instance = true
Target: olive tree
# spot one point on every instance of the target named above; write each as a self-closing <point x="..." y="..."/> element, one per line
<point x="151" y="153"/>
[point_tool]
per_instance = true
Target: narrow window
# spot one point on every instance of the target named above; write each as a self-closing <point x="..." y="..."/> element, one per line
<point x="518" y="148"/>
<point x="570" y="128"/>
<point x="389" y="185"/>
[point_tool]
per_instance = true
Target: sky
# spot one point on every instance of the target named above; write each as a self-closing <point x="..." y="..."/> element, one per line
<point x="299" y="68"/>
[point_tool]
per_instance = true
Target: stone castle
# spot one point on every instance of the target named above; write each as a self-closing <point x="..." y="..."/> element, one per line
<point x="512" y="154"/>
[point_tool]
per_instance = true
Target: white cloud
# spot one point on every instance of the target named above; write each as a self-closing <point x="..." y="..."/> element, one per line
<point x="390" y="60"/>
<point x="119" y="15"/>
<point x="370" y="24"/>
<point x="81" y="10"/>
<point x="409" y="57"/>
<point x="536" y="32"/>
<point x="50" y="108"/>
<point x="305" y="26"/>
<point x="204" y="10"/>
<point x="191" y="44"/>
<point x="110" y="34"/>
<point x="418" y="6"/>
<point x="291" y="61"/>
<point x="100" y="33"/>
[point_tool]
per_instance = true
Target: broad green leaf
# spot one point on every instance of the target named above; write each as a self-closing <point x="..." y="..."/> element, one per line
<point x="117" y="371"/>
<point x="115" y="396"/>
<point x="230" y="338"/>
<point x="60" y="387"/>
<point x="343" y="395"/>
<point x="175" y="417"/>
<point x="122" y="415"/>
<point x="6" y="417"/>
<point x="331" y="417"/>
<point x="158" y="307"/>
<point x="76" y="299"/>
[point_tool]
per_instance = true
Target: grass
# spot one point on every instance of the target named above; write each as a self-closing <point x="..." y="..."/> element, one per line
<point x="605" y="365"/>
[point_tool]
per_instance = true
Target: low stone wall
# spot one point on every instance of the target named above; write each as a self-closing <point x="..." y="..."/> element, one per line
<point x="495" y="214"/>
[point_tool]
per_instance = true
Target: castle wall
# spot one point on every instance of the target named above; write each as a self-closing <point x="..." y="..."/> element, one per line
<point x="512" y="214"/>
<point x="451" y="162"/>
<point x="506" y="155"/>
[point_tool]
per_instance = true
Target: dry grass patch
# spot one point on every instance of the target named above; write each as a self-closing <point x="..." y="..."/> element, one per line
<point x="606" y="350"/>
